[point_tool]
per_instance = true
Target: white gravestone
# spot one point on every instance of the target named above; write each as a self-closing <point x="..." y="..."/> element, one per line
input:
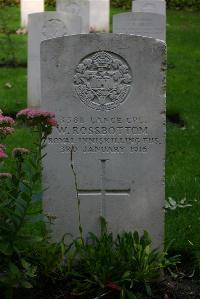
<point x="154" y="6"/>
<point x="140" y="23"/>
<point x="94" y="13"/>
<point x="28" y="7"/>
<point x="44" y="26"/>
<point x="108" y="93"/>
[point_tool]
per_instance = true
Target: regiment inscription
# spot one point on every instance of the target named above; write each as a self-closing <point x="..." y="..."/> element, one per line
<point x="118" y="135"/>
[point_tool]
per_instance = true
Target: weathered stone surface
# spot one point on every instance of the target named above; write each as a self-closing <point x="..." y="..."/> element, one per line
<point x="154" y="6"/>
<point x="107" y="91"/>
<point x="140" y="23"/>
<point x="94" y="13"/>
<point x="44" y="26"/>
<point x="28" y="7"/>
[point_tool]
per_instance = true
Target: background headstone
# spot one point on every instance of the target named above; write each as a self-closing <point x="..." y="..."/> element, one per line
<point x="44" y="26"/>
<point x="94" y="13"/>
<point x="109" y="100"/>
<point x="140" y="23"/>
<point x="28" y="7"/>
<point x="154" y="6"/>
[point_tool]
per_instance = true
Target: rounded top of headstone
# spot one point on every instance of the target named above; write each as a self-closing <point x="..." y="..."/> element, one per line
<point x="149" y="7"/>
<point x="69" y="6"/>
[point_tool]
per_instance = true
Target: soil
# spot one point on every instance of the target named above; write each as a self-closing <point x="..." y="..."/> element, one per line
<point x="180" y="288"/>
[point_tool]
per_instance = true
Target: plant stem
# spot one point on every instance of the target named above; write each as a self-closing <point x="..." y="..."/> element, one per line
<point x="77" y="195"/>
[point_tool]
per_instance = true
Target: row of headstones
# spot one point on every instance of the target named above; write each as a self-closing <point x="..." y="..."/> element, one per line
<point x="69" y="20"/>
<point x="95" y="13"/>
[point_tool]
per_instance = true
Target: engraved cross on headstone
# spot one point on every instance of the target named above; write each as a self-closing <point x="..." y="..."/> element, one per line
<point x="103" y="191"/>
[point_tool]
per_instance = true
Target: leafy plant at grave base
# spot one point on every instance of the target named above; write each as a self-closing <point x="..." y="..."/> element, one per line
<point x="16" y="271"/>
<point x="126" y="265"/>
<point x="51" y="260"/>
<point x="17" y="196"/>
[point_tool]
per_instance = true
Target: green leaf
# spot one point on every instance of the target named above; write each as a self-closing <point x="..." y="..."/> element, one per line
<point x="24" y="187"/>
<point x="21" y="202"/>
<point x="25" y="284"/>
<point x="126" y="275"/>
<point x="14" y="270"/>
<point x="130" y="295"/>
<point x="34" y="218"/>
<point x="36" y="177"/>
<point x="148" y="289"/>
<point x="37" y="197"/>
<point x="25" y="264"/>
<point x="5" y="248"/>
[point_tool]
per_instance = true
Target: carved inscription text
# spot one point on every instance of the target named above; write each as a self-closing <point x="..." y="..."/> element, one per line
<point x="117" y="135"/>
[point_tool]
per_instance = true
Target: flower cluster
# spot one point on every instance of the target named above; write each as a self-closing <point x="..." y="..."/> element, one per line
<point x="5" y="175"/>
<point x="6" y="124"/>
<point x="6" y="121"/>
<point x="2" y="146"/>
<point x="39" y="118"/>
<point x="20" y="153"/>
<point x="31" y="113"/>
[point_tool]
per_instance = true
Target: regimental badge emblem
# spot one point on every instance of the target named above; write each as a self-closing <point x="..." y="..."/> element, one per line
<point x="103" y="81"/>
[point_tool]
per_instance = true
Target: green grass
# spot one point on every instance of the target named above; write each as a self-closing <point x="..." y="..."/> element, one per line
<point x="13" y="96"/>
<point x="13" y="50"/>
<point x="22" y="137"/>
<point x="183" y="142"/>
<point x="10" y="18"/>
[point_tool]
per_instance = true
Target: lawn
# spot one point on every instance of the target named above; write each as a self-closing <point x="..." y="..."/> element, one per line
<point x="183" y="110"/>
<point x="183" y="143"/>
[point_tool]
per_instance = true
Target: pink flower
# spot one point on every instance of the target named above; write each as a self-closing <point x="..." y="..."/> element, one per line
<point x="41" y="119"/>
<point x="52" y="122"/>
<point x="5" y="175"/>
<point x="6" y="121"/>
<point x="31" y="113"/>
<point x="2" y="146"/>
<point x="6" y="131"/>
<point x="2" y="154"/>
<point x="114" y="286"/>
